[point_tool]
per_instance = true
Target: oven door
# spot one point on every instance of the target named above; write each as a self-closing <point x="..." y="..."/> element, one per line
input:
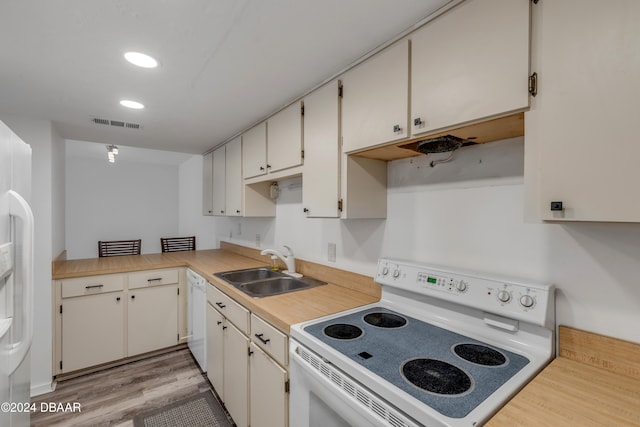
<point x="323" y="396"/>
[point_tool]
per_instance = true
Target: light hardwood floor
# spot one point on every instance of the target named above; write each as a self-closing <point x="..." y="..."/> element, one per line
<point x="114" y="396"/>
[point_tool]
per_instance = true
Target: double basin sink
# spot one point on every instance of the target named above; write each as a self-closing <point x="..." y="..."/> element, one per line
<point x="264" y="282"/>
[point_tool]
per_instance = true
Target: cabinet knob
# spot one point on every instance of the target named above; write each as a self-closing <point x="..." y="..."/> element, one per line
<point x="133" y="297"/>
<point x="224" y="327"/>
<point x="261" y="168"/>
<point x="305" y="210"/>
<point x="237" y="211"/>
<point x="397" y="128"/>
<point x="418" y="121"/>
<point x="268" y="166"/>
<point x="218" y="322"/>
<point x="118" y="299"/>
<point x="221" y="211"/>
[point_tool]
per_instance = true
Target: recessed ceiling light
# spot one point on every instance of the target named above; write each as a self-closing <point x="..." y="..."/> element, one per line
<point x="131" y="104"/>
<point x="141" y="60"/>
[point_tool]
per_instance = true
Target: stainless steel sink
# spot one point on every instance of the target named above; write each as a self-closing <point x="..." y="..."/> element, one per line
<point x="263" y="282"/>
<point x="238" y="277"/>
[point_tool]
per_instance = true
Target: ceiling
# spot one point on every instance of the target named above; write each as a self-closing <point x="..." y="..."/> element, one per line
<point x="225" y="64"/>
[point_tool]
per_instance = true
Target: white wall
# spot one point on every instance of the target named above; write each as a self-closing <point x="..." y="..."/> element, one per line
<point x="469" y="213"/>
<point x="128" y="199"/>
<point x="191" y="222"/>
<point x="47" y="202"/>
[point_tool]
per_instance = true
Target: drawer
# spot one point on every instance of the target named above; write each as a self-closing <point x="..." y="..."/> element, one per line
<point x="234" y="312"/>
<point x="89" y="285"/>
<point x="143" y="279"/>
<point x="271" y="340"/>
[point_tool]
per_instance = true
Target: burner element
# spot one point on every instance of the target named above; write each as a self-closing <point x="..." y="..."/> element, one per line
<point x="385" y="320"/>
<point x="342" y="331"/>
<point x="480" y="354"/>
<point x="436" y="376"/>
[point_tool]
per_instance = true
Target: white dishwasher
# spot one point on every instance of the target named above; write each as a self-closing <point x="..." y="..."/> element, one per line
<point x="197" y="317"/>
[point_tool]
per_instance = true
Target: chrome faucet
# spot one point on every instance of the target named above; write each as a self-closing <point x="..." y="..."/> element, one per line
<point x="288" y="258"/>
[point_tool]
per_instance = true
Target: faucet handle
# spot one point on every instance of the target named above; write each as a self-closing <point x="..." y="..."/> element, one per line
<point x="289" y="251"/>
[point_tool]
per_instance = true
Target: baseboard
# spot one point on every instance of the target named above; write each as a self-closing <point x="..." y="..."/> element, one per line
<point x="42" y="388"/>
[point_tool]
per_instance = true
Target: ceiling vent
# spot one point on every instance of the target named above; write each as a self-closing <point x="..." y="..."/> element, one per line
<point x="116" y="123"/>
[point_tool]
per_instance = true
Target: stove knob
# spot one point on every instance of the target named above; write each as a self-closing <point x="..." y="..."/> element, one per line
<point x="461" y="286"/>
<point x="527" y="301"/>
<point x="396" y="273"/>
<point x="385" y="270"/>
<point x="504" y="296"/>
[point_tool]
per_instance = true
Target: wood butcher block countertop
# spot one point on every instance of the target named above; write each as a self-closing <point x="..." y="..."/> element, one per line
<point x="594" y="382"/>
<point x="344" y="290"/>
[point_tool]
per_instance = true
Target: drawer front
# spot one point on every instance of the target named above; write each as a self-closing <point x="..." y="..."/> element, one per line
<point x="89" y="285"/>
<point x="271" y="340"/>
<point x="234" y="312"/>
<point x="143" y="279"/>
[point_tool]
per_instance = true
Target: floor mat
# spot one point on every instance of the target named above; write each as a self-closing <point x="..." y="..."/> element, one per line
<point x="200" y="410"/>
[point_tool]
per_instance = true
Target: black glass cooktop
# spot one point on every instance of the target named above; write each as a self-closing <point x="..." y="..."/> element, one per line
<point x="449" y="372"/>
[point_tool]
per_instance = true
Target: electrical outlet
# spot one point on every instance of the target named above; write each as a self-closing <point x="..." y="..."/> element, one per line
<point x="331" y="255"/>
<point x="258" y="240"/>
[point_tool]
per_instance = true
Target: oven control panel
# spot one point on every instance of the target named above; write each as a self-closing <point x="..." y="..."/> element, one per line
<point x="516" y="299"/>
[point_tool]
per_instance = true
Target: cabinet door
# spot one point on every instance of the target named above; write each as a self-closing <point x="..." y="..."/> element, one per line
<point x="376" y="99"/>
<point x="236" y="375"/>
<point x="215" y="354"/>
<point x="233" y="179"/>
<point x="207" y="184"/>
<point x="284" y="139"/>
<point x="269" y="399"/>
<point x="152" y="318"/>
<point x="321" y="177"/>
<point x="254" y="151"/>
<point x="469" y="64"/>
<point x="92" y="330"/>
<point x="219" y="181"/>
<point x="587" y="58"/>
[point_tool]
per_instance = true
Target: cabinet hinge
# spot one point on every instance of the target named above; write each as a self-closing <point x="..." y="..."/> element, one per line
<point x="302" y="109"/>
<point x="61" y="365"/>
<point x="534" y="1"/>
<point x="60" y="308"/>
<point x="340" y="205"/>
<point x="178" y="337"/>
<point x="178" y="291"/>
<point x="302" y="154"/>
<point x="286" y="386"/>
<point x="249" y="352"/>
<point x="340" y="89"/>
<point x="533" y="84"/>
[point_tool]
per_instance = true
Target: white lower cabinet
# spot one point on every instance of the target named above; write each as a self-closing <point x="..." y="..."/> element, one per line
<point x="152" y="319"/>
<point x="215" y="355"/>
<point x="236" y="374"/>
<point x="93" y="328"/>
<point x="249" y="374"/>
<point x="269" y="399"/>
<point x="102" y="319"/>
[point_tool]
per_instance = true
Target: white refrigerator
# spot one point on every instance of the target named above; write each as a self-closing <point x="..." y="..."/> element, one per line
<point x="16" y="279"/>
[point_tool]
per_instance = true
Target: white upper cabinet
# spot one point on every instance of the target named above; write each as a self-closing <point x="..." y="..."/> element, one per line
<point x="321" y="183"/>
<point x="470" y="64"/>
<point x="284" y="139"/>
<point x="207" y="184"/>
<point x="219" y="181"/>
<point x="587" y="57"/>
<point x="375" y="99"/>
<point x="254" y="152"/>
<point x="233" y="177"/>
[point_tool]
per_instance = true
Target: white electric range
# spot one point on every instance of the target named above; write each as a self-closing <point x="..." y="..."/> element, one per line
<point x="443" y="347"/>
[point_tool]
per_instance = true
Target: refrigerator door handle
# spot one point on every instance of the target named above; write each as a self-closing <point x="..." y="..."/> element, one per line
<point x="20" y="208"/>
